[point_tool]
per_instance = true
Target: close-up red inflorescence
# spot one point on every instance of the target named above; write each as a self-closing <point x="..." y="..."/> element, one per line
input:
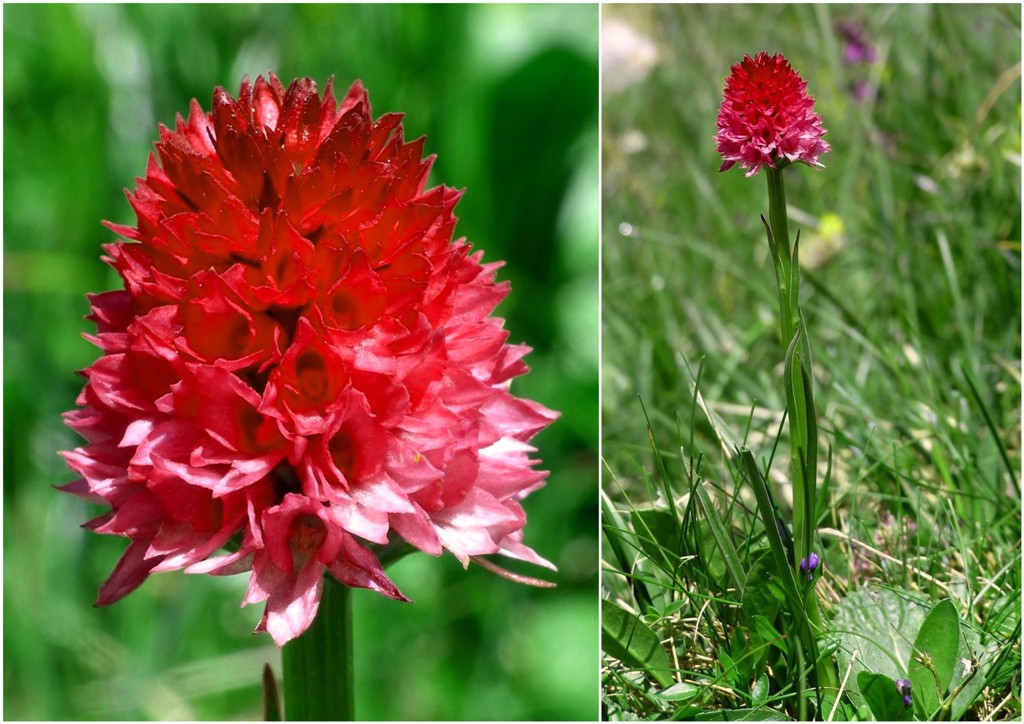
<point x="302" y="361"/>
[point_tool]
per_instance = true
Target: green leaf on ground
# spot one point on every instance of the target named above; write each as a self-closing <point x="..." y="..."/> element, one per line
<point x="759" y="692"/>
<point x="939" y="641"/>
<point x="874" y="628"/>
<point x="631" y="641"/>
<point x="759" y="714"/>
<point x="682" y="692"/>
<point x="883" y="697"/>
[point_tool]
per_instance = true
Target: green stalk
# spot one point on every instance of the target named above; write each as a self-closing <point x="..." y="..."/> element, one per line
<point x="778" y="222"/>
<point x="318" y="664"/>
<point x="800" y="398"/>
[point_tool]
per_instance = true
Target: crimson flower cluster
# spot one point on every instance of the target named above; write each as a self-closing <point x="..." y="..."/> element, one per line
<point x="301" y="361"/>
<point x="767" y="117"/>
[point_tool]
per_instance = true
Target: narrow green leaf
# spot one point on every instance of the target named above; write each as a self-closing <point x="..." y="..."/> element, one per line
<point x="996" y="434"/>
<point x="773" y="248"/>
<point x="271" y="698"/>
<point x="821" y="506"/>
<point x="797" y="406"/>
<point x="721" y="536"/>
<point x="810" y="459"/>
<point x="729" y="668"/>
<point x="783" y="568"/>
<point x="615" y="530"/>
<point x="937" y="642"/>
<point x="631" y="641"/>
<point x="769" y="633"/>
<point x="794" y="278"/>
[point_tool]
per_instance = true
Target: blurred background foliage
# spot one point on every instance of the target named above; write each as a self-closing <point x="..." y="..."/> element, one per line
<point x="507" y="97"/>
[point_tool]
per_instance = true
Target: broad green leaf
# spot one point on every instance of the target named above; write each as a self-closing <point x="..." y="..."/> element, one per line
<point x="682" y="692"/>
<point x="939" y="641"/>
<point x="769" y="633"/>
<point x="883" y="697"/>
<point x="876" y="624"/>
<point x="658" y="534"/>
<point x="759" y="693"/>
<point x="970" y="647"/>
<point x="729" y="668"/>
<point x="755" y="714"/>
<point x="631" y="641"/>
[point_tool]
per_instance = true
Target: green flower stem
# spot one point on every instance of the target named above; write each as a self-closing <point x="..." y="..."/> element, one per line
<point x="318" y="664"/>
<point x="789" y="310"/>
<point x="781" y="254"/>
<point x="800" y="398"/>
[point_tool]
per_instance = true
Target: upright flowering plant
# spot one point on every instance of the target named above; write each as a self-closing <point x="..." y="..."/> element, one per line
<point x="301" y="363"/>
<point x="767" y="120"/>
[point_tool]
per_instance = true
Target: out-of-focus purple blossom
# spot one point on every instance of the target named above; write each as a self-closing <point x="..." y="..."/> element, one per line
<point x="856" y="47"/>
<point x="860" y="90"/>
<point x="858" y="51"/>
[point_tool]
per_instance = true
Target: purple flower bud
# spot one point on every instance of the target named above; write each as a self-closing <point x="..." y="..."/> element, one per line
<point x="904" y="688"/>
<point x="809" y="565"/>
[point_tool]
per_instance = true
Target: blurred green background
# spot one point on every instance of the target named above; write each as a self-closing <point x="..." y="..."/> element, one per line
<point x="507" y="96"/>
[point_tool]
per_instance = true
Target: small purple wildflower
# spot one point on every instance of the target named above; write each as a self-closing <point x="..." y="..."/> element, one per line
<point x="856" y="47"/>
<point x="904" y="687"/>
<point x="860" y="90"/>
<point x="858" y="53"/>
<point x="809" y="565"/>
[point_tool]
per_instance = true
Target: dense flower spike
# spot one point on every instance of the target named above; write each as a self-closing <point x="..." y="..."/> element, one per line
<point x="767" y="117"/>
<point x="301" y="360"/>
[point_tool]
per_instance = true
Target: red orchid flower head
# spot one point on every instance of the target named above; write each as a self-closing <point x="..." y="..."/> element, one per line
<point x="767" y="117"/>
<point x="302" y="362"/>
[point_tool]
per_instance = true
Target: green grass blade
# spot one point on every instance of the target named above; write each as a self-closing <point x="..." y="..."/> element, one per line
<point x="721" y="536"/>
<point x="271" y="697"/>
<point x="765" y="505"/>
<point x="993" y="429"/>
<point x="614" y="526"/>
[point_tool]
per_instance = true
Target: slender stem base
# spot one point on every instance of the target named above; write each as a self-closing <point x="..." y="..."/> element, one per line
<point x="318" y="681"/>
